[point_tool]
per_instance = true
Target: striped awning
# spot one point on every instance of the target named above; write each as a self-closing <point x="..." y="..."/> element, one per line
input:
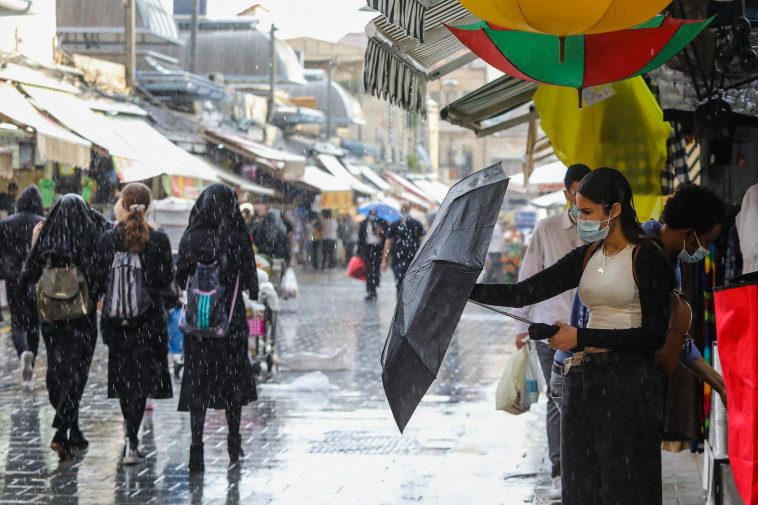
<point x="397" y="66"/>
<point x="416" y="17"/>
<point x="486" y="110"/>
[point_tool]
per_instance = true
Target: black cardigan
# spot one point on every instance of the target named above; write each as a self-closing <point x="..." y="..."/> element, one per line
<point x="655" y="278"/>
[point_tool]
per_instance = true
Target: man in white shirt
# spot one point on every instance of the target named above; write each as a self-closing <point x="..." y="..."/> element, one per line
<point x="552" y="239"/>
<point x="329" y="244"/>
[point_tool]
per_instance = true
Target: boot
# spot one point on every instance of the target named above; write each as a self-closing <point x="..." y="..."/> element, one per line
<point x="234" y="445"/>
<point x="60" y="445"/>
<point x="196" y="463"/>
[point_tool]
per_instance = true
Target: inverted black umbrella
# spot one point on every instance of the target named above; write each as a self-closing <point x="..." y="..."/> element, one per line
<point x="436" y="286"/>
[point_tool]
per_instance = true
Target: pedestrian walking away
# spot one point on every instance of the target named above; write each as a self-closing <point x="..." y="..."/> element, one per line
<point x="404" y="237"/>
<point x="136" y="261"/>
<point x="64" y="255"/>
<point x="329" y="244"/>
<point x="15" y="243"/>
<point x="271" y="237"/>
<point x="370" y="247"/>
<point x="552" y="239"/>
<point x="217" y="372"/>
<point x="610" y="420"/>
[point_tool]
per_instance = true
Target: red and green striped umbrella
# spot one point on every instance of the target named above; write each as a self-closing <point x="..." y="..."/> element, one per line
<point x="580" y="61"/>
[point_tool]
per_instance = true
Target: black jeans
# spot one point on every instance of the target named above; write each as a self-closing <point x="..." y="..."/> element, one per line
<point x="24" y="318"/>
<point x="70" y="346"/>
<point x="372" y="258"/>
<point x="610" y="432"/>
<point x="329" y="258"/>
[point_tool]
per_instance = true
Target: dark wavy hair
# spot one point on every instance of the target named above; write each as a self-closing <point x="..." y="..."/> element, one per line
<point x="606" y="186"/>
<point x="135" y="198"/>
<point x="695" y="207"/>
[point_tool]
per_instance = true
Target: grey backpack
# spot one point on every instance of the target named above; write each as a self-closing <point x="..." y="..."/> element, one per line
<point x="127" y="299"/>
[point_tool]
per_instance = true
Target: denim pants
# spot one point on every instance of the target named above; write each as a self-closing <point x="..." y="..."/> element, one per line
<point x="610" y="431"/>
<point x="553" y="415"/>
<point x="399" y="267"/>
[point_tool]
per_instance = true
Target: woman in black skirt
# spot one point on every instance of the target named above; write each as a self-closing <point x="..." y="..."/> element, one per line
<point x="137" y="345"/>
<point x="217" y="372"/>
<point x="68" y="237"/>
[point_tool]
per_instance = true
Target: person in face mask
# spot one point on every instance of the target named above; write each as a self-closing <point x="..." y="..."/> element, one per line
<point x="610" y="408"/>
<point x="404" y="237"/>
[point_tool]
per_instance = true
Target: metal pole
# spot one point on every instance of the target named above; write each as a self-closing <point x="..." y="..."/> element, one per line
<point x="272" y="76"/>
<point x="330" y="79"/>
<point x="129" y="38"/>
<point x="193" y="36"/>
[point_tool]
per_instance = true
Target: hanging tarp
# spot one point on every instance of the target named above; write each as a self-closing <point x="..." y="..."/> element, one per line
<point x="54" y="142"/>
<point x="337" y="169"/>
<point x="625" y="131"/>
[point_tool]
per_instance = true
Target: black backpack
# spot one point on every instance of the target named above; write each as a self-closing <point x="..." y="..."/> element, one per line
<point x="204" y="313"/>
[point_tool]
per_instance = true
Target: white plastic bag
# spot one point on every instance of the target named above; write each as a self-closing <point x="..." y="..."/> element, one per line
<point x="289" y="284"/>
<point x="518" y="387"/>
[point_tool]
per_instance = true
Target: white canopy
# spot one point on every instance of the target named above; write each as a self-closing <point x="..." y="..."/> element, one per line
<point x="546" y="178"/>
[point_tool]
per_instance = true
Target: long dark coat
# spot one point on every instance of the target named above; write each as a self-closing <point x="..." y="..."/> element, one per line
<point x="217" y="372"/>
<point x="137" y="355"/>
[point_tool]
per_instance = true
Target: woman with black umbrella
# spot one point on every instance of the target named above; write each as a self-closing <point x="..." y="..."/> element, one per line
<point x="137" y="345"/>
<point x="66" y="243"/>
<point x="217" y="372"/>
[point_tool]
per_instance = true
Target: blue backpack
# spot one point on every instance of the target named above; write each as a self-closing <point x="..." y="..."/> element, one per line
<point x="203" y="313"/>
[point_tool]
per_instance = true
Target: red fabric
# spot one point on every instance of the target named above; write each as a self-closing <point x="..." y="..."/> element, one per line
<point x="356" y="268"/>
<point x="613" y="56"/>
<point x="488" y="51"/>
<point x="737" y="330"/>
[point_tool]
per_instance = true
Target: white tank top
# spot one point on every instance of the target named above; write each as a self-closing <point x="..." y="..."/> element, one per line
<point x="612" y="296"/>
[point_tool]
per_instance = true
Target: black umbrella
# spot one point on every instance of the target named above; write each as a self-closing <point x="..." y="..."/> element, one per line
<point x="436" y="286"/>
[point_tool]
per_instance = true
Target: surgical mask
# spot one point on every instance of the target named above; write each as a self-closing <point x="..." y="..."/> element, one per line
<point x="404" y="215"/>
<point x="372" y="217"/>
<point x="574" y="211"/>
<point x="701" y="253"/>
<point x="590" y="231"/>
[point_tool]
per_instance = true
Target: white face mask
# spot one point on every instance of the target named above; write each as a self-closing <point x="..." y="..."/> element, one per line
<point x="589" y="230"/>
<point x="699" y="254"/>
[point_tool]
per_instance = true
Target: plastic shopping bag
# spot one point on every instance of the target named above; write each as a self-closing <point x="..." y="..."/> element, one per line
<point x="175" y="336"/>
<point x="356" y="268"/>
<point x="289" y="284"/>
<point x="518" y="388"/>
<point x="736" y="307"/>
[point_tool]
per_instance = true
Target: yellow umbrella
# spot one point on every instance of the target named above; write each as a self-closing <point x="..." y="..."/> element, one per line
<point x="625" y="131"/>
<point x="566" y="17"/>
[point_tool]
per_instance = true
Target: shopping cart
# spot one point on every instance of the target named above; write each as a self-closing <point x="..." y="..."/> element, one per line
<point x="262" y="314"/>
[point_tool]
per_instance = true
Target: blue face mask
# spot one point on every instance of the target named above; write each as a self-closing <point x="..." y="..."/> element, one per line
<point x="404" y="215"/>
<point x="574" y="211"/>
<point x="701" y="253"/>
<point x="590" y="231"/>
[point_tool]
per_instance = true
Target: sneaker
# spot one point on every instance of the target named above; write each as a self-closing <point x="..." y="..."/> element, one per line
<point x="131" y="455"/>
<point x="27" y="366"/>
<point x="27" y="386"/>
<point x="149" y="404"/>
<point x="555" y="489"/>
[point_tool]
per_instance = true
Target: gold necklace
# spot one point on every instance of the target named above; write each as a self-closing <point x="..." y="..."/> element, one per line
<point x="601" y="269"/>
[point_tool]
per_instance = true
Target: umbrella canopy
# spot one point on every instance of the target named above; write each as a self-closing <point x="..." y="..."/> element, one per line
<point x="383" y="210"/>
<point x="568" y="17"/>
<point x="435" y="288"/>
<point x="580" y="61"/>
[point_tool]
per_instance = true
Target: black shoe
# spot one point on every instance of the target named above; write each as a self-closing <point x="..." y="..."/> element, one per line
<point x="196" y="463"/>
<point x="234" y="445"/>
<point x="60" y="446"/>
<point x="370" y="297"/>
<point x="76" y="440"/>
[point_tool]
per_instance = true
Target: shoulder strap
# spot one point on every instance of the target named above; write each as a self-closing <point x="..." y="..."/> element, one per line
<point x="634" y="264"/>
<point x="590" y="251"/>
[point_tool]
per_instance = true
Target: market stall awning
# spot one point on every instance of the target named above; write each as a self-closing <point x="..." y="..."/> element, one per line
<point x="546" y="178"/>
<point x="291" y="166"/>
<point x="417" y="17"/>
<point x="26" y="75"/>
<point x="334" y="167"/>
<point x="408" y="187"/>
<point x="157" y="154"/>
<point x="374" y="178"/>
<point x="335" y="194"/>
<point x="72" y="112"/>
<point x="236" y="180"/>
<point x="486" y="110"/>
<point x="554" y="199"/>
<point x="434" y="188"/>
<point x="397" y="67"/>
<point x="54" y="142"/>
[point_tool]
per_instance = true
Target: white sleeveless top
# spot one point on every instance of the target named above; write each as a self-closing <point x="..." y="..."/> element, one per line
<point x="612" y="296"/>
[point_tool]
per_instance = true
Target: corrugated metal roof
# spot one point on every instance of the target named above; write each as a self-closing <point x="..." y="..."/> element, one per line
<point x="484" y="109"/>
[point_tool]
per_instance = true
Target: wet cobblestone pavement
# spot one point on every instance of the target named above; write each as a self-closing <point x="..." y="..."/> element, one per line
<point x="321" y="432"/>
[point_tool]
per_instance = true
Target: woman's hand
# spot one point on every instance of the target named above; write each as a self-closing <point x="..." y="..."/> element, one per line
<point x="565" y="339"/>
<point x="35" y="232"/>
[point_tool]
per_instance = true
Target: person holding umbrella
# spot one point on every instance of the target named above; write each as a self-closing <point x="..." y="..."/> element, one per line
<point x="610" y="425"/>
<point x="370" y="247"/>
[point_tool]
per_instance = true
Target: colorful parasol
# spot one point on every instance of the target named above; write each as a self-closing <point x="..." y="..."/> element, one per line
<point x="567" y="17"/>
<point x="584" y="60"/>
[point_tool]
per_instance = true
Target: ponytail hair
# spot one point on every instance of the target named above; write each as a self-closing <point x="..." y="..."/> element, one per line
<point x="607" y="186"/>
<point x="135" y="198"/>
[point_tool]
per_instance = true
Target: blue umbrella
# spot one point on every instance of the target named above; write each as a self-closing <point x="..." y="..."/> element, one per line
<point x="383" y="210"/>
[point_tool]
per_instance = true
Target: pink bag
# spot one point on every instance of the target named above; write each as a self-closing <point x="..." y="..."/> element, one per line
<point x="356" y="268"/>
